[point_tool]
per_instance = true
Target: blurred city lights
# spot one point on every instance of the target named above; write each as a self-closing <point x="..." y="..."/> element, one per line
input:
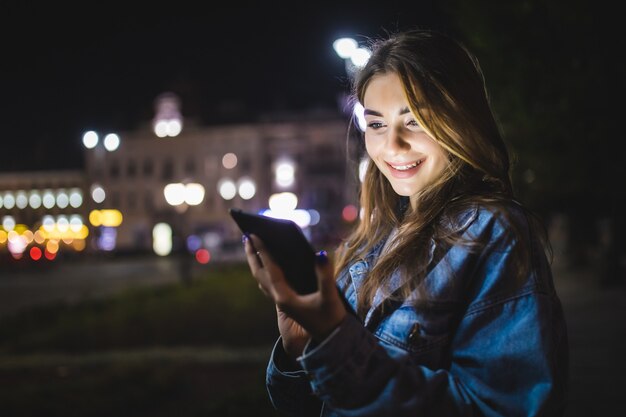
<point x="315" y="217"/>
<point x="48" y="199"/>
<point x="35" y="253"/>
<point x="283" y="202"/>
<point x="345" y="47"/>
<point x="8" y="200"/>
<point x="203" y="256"/>
<point x="111" y="142"/>
<point x="247" y="188"/>
<point x="107" y="239"/>
<point x="179" y="193"/>
<point x="358" y="112"/>
<point x="227" y="188"/>
<point x="170" y="128"/>
<point x="174" y="194"/>
<point x="229" y="160"/>
<point x="34" y="200"/>
<point x="360" y="57"/>
<point x="62" y="199"/>
<point x="8" y="223"/>
<point x="194" y="193"/>
<point x="76" y="198"/>
<point x="97" y="193"/>
<point x="300" y="217"/>
<point x="162" y="239"/>
<point x="90" y="139"/>
<point x="350" y="213"/>
<point x="107" y="218"/>
<point x="168" y="120"/>
<point x="194" y="243"/>
<point x="21" y="199"/>
<point x="285" y="173"/>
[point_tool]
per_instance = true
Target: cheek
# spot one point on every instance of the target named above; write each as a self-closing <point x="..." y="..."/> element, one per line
<point x="370" y="148"/>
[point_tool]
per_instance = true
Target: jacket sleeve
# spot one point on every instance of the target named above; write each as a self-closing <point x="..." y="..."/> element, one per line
<point x="290" y="390"/>
<point x="506" y="358"/>
<point x="500" y="366"/>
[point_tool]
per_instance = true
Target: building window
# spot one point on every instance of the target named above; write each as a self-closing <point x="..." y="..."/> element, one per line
<point x="114" y="169"/>
<point x="131" y="168"/>
<point x="190" y="166"/>
<point x="131" y="200"/>
<point x="148" y="203"/>
<point x="148" y="167"/>
<point x="168" y="170"/>
<point x="115" y="199"/>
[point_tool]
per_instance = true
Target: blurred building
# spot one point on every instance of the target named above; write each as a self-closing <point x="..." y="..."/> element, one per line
<point x="236" y="165"/>
<point x="44" y="210"/>
<point x="293" y="164"/>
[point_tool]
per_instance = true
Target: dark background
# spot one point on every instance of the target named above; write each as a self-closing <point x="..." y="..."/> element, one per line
<point x="553" y="69"/>
<point x="67" y="71"/>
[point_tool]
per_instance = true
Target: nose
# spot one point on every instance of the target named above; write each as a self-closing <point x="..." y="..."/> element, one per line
<point x="396" y="143"/>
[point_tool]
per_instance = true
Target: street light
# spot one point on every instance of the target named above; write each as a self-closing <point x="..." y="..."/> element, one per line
<point x="181" y="196"/>
<point x="354" y="56"/>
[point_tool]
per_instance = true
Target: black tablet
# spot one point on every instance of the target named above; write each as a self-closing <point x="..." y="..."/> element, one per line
<point x="287" y="245"/>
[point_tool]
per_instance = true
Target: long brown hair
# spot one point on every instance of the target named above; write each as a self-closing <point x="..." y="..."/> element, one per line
<point x="446" y="92"/>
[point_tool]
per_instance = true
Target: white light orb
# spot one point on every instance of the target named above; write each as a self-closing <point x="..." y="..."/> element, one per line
<point x="34" y="200"/>
<point x="90" y="139"/>
<point x="227" y="188"/>
<point x="174" y="194"/>
<point x="247" y="188"/>
<point x="282" y="202"/>
<point x="97" y="193"/>
<point x="48" y="199"/>
<point x="111" y="142"/>
<point x="345" y="47"/>
<point x="285" y="173"/>
<point x="194" y="193"/>
<point x="360" y="57"/>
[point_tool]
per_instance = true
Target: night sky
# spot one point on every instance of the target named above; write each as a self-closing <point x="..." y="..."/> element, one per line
<point x="68" y="71"/>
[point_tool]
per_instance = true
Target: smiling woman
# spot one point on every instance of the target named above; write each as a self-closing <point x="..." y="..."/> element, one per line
<point x="406" y="155"/>
<point x="446" y="270"/>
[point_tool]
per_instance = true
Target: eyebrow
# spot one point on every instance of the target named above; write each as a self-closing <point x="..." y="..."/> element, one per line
<point x="370" y="112"/>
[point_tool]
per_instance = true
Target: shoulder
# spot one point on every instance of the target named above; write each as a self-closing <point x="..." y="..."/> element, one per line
<point x="489" y="222"/>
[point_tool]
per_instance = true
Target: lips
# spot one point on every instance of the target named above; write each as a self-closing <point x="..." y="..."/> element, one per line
<point x="405" y="169"/>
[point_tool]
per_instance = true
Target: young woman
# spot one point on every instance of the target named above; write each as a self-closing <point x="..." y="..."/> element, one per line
<point x="456" y="311"/>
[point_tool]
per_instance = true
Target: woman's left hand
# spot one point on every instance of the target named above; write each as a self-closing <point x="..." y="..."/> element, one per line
<point x="319" y="313"/>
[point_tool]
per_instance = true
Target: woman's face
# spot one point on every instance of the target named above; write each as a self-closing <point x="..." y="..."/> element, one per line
<point x="408" y="157"/>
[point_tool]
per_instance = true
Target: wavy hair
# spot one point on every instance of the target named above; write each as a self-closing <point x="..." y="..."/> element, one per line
<point x="445" y="89"/>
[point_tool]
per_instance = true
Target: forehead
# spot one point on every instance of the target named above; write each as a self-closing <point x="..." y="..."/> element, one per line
<point x="385" y="92"/>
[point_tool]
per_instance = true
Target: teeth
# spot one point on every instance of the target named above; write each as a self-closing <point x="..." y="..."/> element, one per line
<point x="405" y="167"/>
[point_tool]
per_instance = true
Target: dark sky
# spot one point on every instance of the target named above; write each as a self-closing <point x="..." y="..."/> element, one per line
<point x="66" y="71"/>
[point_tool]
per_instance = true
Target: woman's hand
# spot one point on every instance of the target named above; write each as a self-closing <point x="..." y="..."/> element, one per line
<point x="300" y="317"/>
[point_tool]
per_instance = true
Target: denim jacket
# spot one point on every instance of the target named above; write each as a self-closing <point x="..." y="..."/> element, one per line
<point x="477" y="341"/>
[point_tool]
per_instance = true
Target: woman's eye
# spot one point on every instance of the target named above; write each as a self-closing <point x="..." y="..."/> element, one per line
<point x="375" y="125"/>
<point x="413" y="123"/>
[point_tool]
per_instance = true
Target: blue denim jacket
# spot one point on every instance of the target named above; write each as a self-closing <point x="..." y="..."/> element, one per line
<point x="478" y="341"/>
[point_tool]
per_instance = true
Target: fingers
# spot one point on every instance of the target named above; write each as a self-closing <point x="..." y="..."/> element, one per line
<point x="271" y="276"/>
<point x="253" y="255"/>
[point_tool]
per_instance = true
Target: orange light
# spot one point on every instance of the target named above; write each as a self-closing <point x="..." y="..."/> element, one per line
<point x="49" y="255"/>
